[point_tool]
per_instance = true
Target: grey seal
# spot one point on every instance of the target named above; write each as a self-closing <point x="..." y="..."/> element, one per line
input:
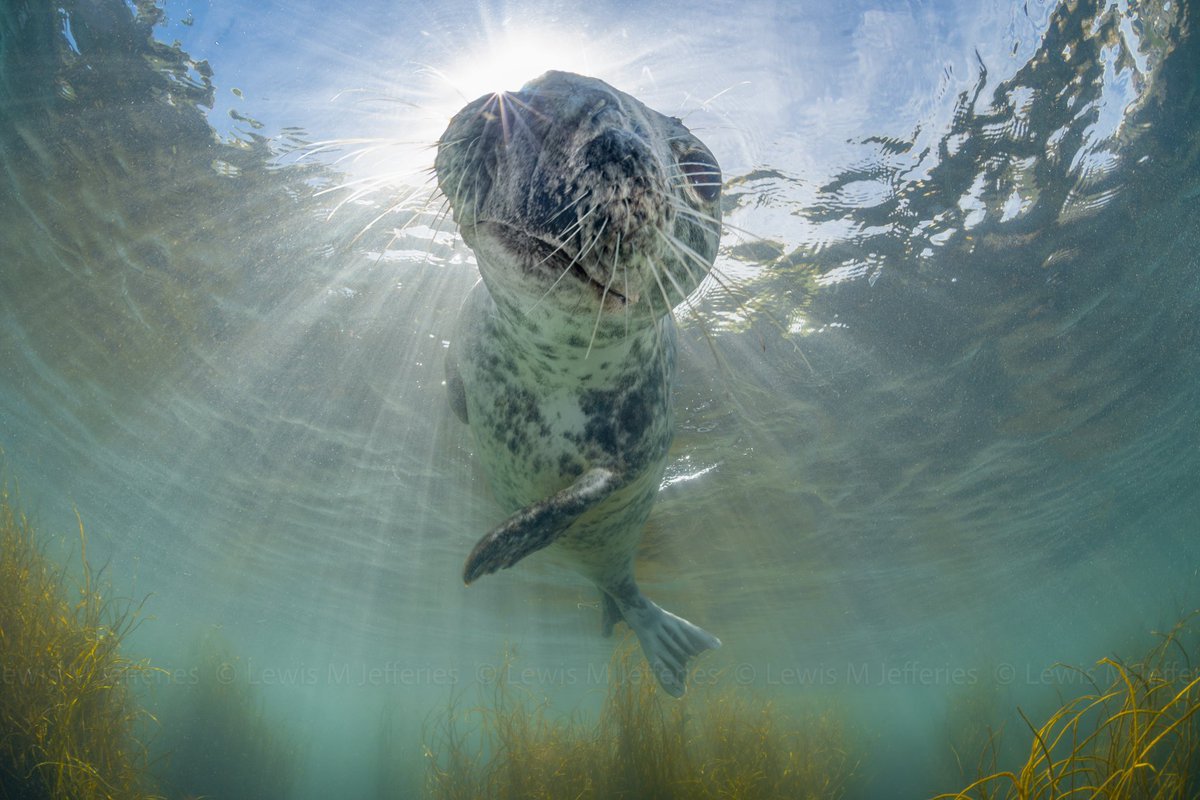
<point x="591" y="216"/>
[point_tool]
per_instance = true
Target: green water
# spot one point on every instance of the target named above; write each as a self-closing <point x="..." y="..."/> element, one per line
<point x="938" y="430"/>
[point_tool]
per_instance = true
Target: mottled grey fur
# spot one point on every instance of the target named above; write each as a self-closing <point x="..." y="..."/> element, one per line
<point x="591" y="216"/>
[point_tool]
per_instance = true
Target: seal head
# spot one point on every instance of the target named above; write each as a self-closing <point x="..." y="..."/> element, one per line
<point x="588" y="191"/>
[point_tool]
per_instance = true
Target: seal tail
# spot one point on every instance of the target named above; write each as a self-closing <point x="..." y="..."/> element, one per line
<point x="611" y="614"/>
<point x="668" y="642"/>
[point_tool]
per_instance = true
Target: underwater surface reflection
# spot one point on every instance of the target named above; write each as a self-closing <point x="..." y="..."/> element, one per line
<point x="937" y="420"/>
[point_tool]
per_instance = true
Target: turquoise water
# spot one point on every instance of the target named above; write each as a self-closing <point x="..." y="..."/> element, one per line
<point x="938" y="424"/>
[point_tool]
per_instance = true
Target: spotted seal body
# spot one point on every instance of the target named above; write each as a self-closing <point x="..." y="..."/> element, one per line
<point x="591" y="216"/>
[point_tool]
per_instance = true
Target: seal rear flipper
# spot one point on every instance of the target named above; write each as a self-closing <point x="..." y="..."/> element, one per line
<point x="668" y="642"/>
<point x="537" y="525"/>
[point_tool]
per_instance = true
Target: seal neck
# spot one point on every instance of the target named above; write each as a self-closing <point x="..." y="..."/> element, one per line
<point x="546" y="331"/>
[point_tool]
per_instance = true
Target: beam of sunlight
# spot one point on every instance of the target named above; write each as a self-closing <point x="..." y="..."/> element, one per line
<point x="510" y="57"/>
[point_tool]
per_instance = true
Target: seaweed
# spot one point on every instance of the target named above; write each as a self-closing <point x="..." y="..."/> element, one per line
<point x="69" y="724"/>
<point x="1136" y="737"/>
<point x="715" y="742"/>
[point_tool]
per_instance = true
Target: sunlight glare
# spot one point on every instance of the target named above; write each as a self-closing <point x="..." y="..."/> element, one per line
<point x="511" y="58"/>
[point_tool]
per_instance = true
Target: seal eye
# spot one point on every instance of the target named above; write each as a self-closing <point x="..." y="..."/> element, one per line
<point x="702" y="173"/>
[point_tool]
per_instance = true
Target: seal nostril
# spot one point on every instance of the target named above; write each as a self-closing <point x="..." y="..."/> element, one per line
<point x="609" y="147"/>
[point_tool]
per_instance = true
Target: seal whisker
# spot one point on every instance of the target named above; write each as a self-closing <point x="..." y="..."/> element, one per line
<point x="690" y="213"/>
<point x="708" y="218"/>
<point x="694" y="262"/>
<point x="603" y="297"/>
<point x="578" y="229"/>
<point x="458" y="190"/>
<point x="654" y="270"/>
<point x="325" y="145"/>
<point x="682" y="177"/>
<point x="396" y="234"/>
<point x="392" y="208"/>
<point x="355" y="150"/>
<point x="439" y="220"/>
<point x="329" y="145"/>
<point x="708" y="337"/>
<point x="720" y="279"/>
<point x="714" y="270"/>
<point x="686" y="210"/>
<point x="453" y="142"/>
<point x="583" y="196"/>
<point x="684" y="295"/>
<point x="703" y="184"/>
<point x="583" y="253"/>
<point x="442" y="215"/>
<point x="688" y="256"/>
<point x="366" y="186"/>
<point x="571" y="230"/>
<point x="676" y="245"/>
<point x="704" y="104"/>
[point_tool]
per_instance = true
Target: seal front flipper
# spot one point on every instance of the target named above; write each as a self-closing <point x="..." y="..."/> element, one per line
<point x="537" y="525"/>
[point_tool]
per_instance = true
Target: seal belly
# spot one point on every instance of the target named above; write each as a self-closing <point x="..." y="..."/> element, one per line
<point x="542" y="419"/>
<point x="601" y="545"/>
